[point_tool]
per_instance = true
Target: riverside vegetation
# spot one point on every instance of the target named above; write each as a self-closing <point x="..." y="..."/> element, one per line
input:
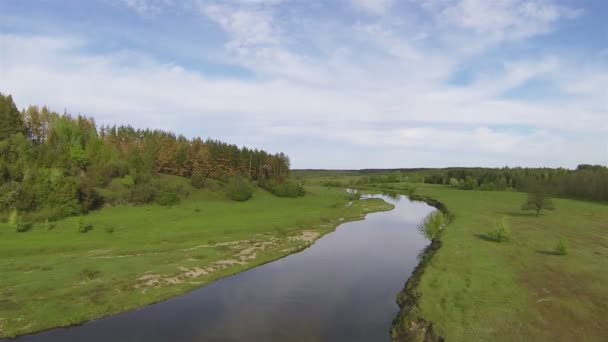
<point x="542" y="282"/>
<point x="130" y="256"/>
<point x="98" y="220"/>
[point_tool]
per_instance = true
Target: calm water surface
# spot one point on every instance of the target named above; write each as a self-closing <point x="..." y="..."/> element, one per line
<point x="342" y="288"/>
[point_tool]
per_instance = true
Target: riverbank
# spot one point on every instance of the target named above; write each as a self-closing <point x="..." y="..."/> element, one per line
<point x="410" y="324"/>
<point x="468" y="287"/>
<point x="135" y="256"/>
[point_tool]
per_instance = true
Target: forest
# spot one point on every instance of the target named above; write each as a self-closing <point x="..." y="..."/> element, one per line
<point x="56" y="165"/>
<point x="586" y="182"/>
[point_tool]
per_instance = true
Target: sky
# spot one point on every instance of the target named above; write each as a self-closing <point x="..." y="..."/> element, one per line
<point x="340" y="84"/>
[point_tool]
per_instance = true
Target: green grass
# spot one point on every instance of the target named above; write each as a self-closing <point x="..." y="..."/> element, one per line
<point x="137" y="255"/>
<point x="474" y="289"/>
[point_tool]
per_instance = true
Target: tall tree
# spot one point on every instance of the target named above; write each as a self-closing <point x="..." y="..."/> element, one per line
<point x="537" y="201"/>
<point x="10" y="118"/>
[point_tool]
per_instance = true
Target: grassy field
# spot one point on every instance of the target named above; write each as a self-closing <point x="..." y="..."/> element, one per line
<point x="137" y="255"/>
<point x="475" y="289"/>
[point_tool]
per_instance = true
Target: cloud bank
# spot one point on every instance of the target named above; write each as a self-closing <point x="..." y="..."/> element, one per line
<point x="363" y="84"/>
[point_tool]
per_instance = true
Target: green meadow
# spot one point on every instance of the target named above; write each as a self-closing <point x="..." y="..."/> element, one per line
<point x="476" y="289"/>
<point x="130" y="256"/>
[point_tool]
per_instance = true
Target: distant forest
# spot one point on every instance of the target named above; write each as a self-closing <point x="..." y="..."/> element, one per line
<point x="586" y="182"/>
<point x="57" y="163"/>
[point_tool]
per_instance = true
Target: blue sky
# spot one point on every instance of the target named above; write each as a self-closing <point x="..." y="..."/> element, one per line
<point x="334" y="84"/>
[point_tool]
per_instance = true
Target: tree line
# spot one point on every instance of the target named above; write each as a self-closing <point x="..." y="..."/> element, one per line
<point x="588" y="182"/>
<point x="58" y="162"/>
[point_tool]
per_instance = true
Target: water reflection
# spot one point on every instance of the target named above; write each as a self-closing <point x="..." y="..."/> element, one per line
<point x="342" y="288"/>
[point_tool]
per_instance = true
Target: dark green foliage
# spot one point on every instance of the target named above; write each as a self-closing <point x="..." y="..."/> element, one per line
<point x="283" y="188"/>
<point x="354" y="196"/>
<point x="336" y="184"/>
<point x="88" y="197"/>
<point x="588" y="182"/>
<point x="238" y="189"/>
<point x="142" y="194"/>
<point x="197" y="180"/>
<point x="537" y="201"/>
<point x="470" y="183"/>
<point x="167" y="198"/>
<point x="10" y="119"/>
<point x="53" y="165"/>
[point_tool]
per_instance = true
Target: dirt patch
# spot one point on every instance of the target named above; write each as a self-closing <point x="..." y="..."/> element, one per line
<point x="228" y="243"/>
<point x="245" y="251"/>
<point x="307" y="236"/>
<point x="99" y="251"/>
<point x="149" y="280"/>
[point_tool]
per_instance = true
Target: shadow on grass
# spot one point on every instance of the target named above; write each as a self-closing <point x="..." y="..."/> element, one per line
<point x="484" y="237"/>
<point x="26" y="227"/>
<point x="519" y="213"/>
<point x="548" y="253"/>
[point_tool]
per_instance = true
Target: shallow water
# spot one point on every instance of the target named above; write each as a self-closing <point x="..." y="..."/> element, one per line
<point x="342" y="288"/>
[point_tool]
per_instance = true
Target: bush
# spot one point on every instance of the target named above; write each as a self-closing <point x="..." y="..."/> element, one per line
<point x="167" y="198"/>
<point x="197" y="180"/>
<point x="83" y="227"/>
<point x="238" y="190"/>
<point x="142" y="194"/>
<point x="128" y="181"/>
<point x="432" y="225"/>
<point x="501" y="233"/>
<point x="16" y="221"/>
<point x="561" y="248"/>
<point x="283" y="189"/>
<point x="333" y="184"/>
<point x="88" y="197"/>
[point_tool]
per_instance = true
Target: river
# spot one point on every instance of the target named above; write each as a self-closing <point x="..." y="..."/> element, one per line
<point x="342" y="288"/>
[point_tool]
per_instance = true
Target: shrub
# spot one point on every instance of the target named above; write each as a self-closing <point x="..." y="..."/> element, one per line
<point x="142" y="194"/>
<point x="283" y="189"/>
<point x="128" y="181"/>
<point x="238" y="190"/>
<point x="167" y="198"/>
<point x="88" y="197"/>
<point x="334" y="184"/>
<point x="354" y="196"/>
<point x="83" y="227"/>
<point x="501" y="233"/>
<point x="561" y="248"/>
<point x="15" y="220"/>
<point x="432" y="225"/>
<point x="197" y="180"/>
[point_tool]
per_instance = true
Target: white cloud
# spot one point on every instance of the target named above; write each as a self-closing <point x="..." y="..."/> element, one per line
<point x="366" y="93"/>
<point x="501" y="19"/>
<point x="148" y="7"/>
<point x="373" y="6"/>
<point x="246" y="26"/>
